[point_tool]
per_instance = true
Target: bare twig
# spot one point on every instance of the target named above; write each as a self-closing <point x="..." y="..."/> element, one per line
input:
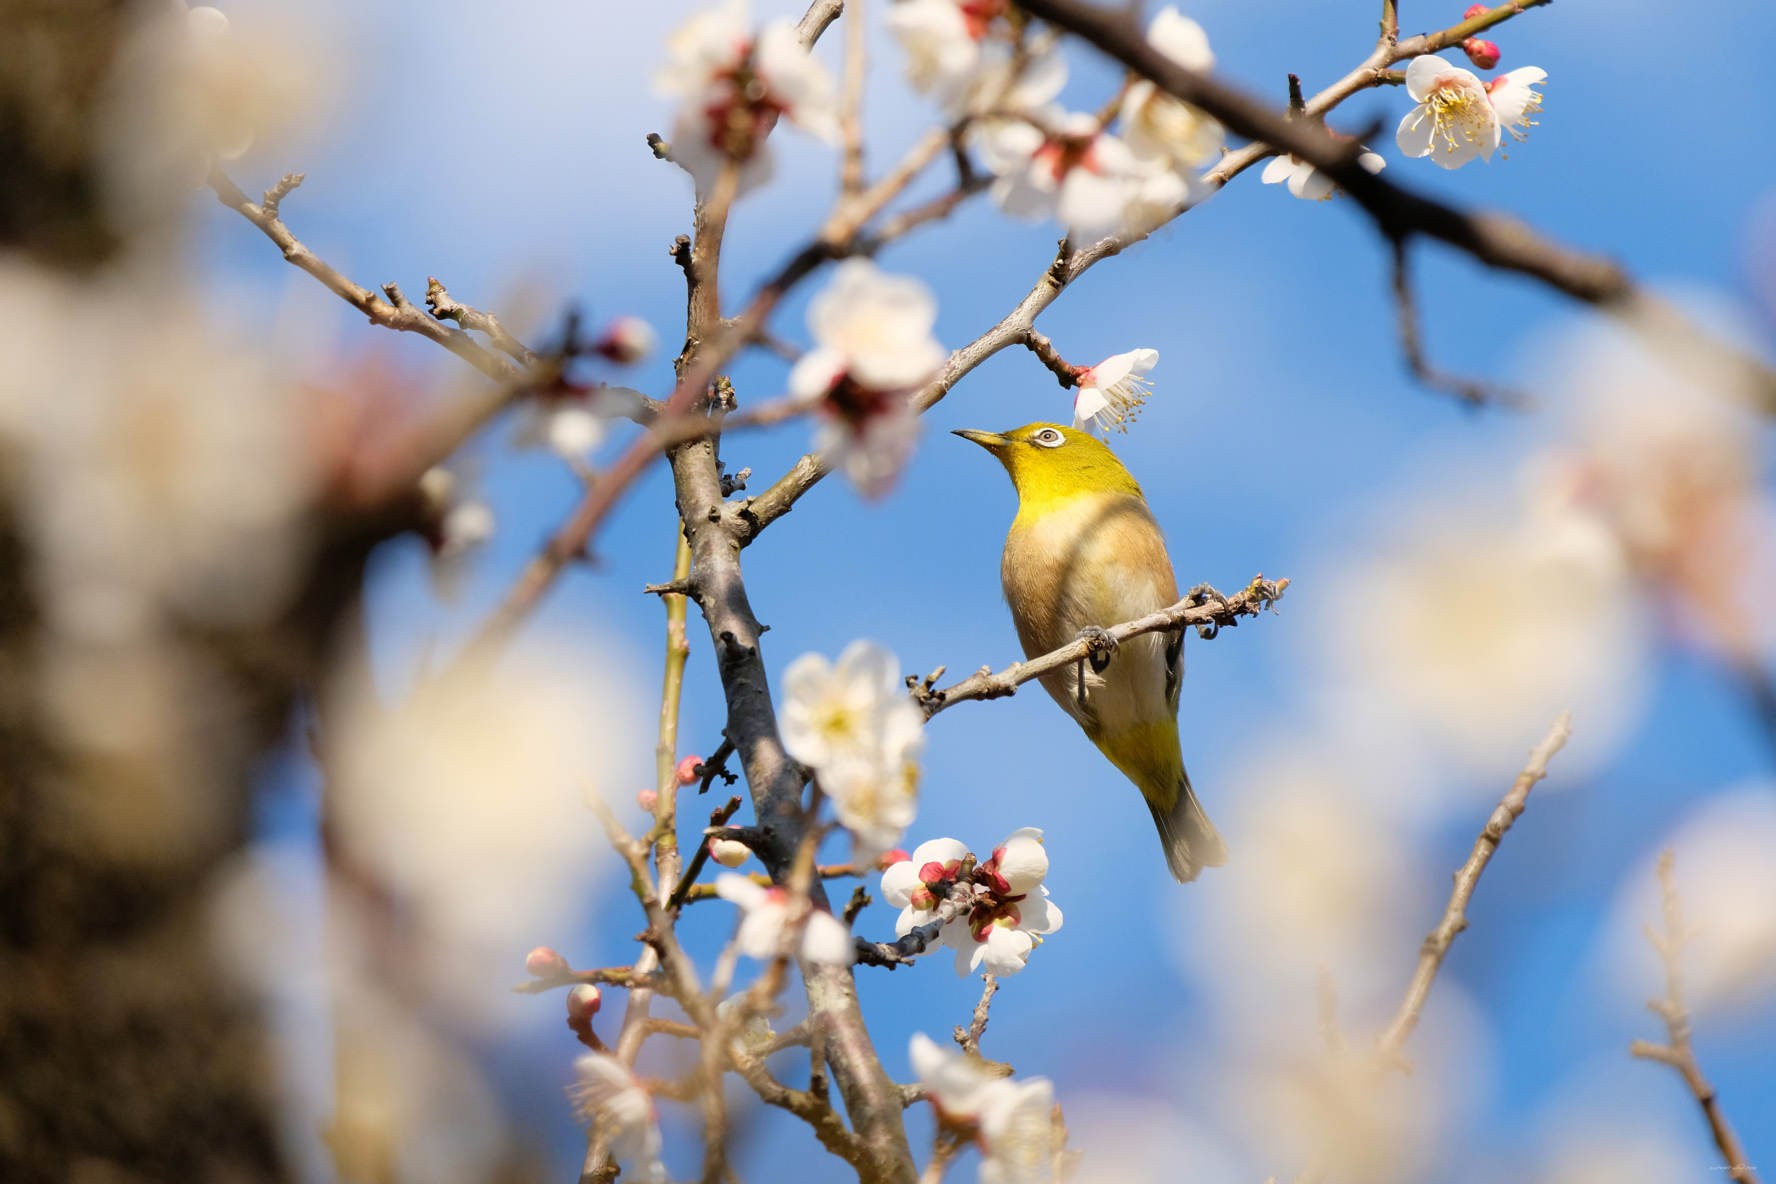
<point x="439" y="300"/>
<point x="1474" y="392"/>
<point x="405" y="317"/>
<point x="717" y="817"/>
<point x="1193" y="610"/>
<point x="1039" y="344"/>
<point x="970" y="1037"/>
<point x="1678" y="1052"/>
<point x="1455" y="914"/>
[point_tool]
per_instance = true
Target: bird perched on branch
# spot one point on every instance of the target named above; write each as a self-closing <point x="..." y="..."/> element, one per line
<point x="1083" y="553"/>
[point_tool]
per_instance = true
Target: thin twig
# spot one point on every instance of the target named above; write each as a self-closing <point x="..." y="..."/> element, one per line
<point x="970" y="1037"/>
<point x="1474" y="392"/>
<point x="1678" y="1052"/>
<point x="717" y="817"/>
<point x="1455" y="914"/>
<point x="851" y="100"/>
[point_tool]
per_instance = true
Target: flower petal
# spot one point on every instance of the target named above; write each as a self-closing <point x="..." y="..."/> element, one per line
<point x="826" y="939"/>
<point x="1415" y="132"/>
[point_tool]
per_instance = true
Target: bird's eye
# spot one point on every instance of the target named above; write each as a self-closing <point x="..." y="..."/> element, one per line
<point x="1049" y="438"/>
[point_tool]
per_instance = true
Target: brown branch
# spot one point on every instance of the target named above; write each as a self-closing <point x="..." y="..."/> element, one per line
<point x="1678" y="1052"/>
<point x="825" y="871"/>
<point x="617" y="976"/>
<point x="1203" y="609"/>
<point x="1065" y="372"/>
<point x="1455" y="914"/>
<point x="439" y="300"/>
<point x="1473" y="392"/>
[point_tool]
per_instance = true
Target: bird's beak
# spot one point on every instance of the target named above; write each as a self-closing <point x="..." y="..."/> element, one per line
<point x="991" y="441"/>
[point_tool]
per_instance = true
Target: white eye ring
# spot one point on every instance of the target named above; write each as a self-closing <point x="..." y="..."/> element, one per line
<point x="1049" y="438"/>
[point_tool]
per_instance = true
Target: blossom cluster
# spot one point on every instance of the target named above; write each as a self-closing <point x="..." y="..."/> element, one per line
<point x="854" y="725"/>
<point x="992" y="912"/>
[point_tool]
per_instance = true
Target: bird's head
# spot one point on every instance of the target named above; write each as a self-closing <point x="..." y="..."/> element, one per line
<point x="1050" y="464"/>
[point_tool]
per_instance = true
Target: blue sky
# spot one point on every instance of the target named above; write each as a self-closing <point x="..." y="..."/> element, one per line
<point x="501" y="148"/>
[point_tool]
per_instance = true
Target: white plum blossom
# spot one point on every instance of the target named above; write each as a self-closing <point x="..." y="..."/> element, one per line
<point x="1019" y="1143"/>
<point x="873" y="345"/>
<point x="1068" y="169"/>
<point x="1112" y="392"/>
<point x="907" y="885"/>
<point x="955" y="1083"/>
<point x="1458" y="117"/>
<point x="853" y="723"/>
<point x="607" y="1091"/>
<point x="1454" y="121"/>
<point x="765" y="911"/>
<point x="1005" y="909"/>
<point x="1514" y="99"/>
<point x="735" y="86"/>
<point x="1160" y="127"/>
<point x="1309" y="183"/>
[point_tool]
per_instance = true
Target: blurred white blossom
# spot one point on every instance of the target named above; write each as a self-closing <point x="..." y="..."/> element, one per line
<point x="1070" y="170"/>
<point x="854" y="724"/>
<point x="1165" y="129"/>
<point x="956" y="1084"/>
<point x="1726" y="888"/>
<point x="467" y="794"/>
<point x="734" y="86"/>
<point x="872" y="346"/>
<point x="605" y="1091"/>
<point x="1500" y="614"/>
<point x="1018" y="1138"/>
<point x="765" y="912"/>
<point x="1307" y="182"/>
<point x="1112" y="392"/>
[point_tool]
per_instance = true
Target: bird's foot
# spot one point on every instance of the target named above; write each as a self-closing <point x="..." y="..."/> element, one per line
<point x="1206" y="594"/>
<point x="1099" y="646"/>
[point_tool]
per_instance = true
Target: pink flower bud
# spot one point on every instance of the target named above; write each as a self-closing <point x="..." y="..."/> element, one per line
<point x="648" y="799"/>
<point x="1475" y="10"/>
<point x="583" y="1001"/>
<point x="729" y="852"/>
<point x="1484" y="54"/>
<point x="544" y="962"/>
<point x="687" y="770"/>
<point x="891" y="857"/>
<point x="626" y="341"/>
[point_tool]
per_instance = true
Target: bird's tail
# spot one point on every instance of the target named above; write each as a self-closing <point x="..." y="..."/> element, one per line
<point x="1191" y="841"/>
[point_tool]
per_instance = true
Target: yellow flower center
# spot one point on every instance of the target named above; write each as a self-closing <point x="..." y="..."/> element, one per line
<point x="1458" y="111"/>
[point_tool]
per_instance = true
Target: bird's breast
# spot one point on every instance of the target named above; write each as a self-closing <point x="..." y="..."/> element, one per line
<point x="1096" y="559"/>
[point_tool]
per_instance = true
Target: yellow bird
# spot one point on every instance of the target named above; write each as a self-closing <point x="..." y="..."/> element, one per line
<point x="1083" y="553"/>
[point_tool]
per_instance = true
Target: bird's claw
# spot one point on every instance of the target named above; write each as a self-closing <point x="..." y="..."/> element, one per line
<point x="1205" y="594"/>
<point x="1100" y="644"/>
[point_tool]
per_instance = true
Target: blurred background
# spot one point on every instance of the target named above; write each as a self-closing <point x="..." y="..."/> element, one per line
<point x="179" y="406"/>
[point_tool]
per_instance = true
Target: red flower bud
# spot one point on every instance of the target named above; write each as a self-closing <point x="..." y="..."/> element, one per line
<point x="1484" y="54"/>
<point x="544" y="962"/>
<point x="688" y="770"/>
<point x="891" y="857"/>
<point x="648" y="799"/>
<point x="1475" y="10"/>
<point x="583" y="1002"/>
